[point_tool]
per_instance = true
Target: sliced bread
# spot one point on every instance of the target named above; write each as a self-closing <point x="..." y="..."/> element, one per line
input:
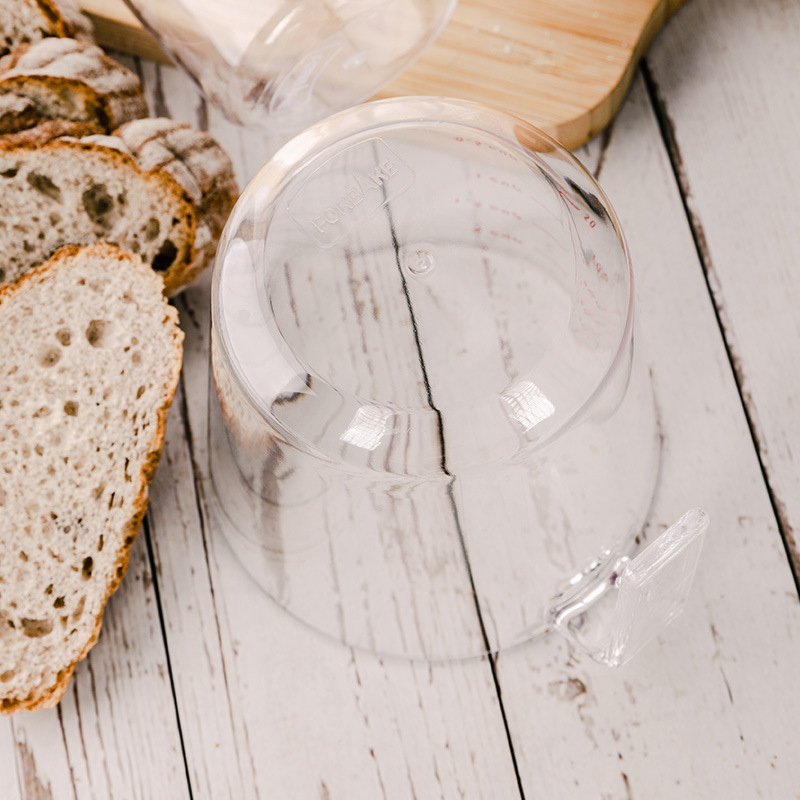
<point x="24" y="21"/>
<point x="16" y="113"/>
<point x="90" y="360"/>
<point x="169" y="210"/>
<point x="46" y="131"/>
<point x="73" y="80"/>
<point x="199" y="165"/>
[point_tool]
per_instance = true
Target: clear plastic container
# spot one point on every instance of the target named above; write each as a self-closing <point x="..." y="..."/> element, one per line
<point x="431" y="431"/>
<point x="283" y="64"/>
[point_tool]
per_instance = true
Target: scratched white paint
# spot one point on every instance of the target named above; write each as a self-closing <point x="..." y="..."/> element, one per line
<point x="8" y="763"/>
<point x="311" y="717"/>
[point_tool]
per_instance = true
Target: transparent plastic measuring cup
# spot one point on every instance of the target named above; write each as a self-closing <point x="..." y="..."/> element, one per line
<point x="283" y="64"/>
<point x="431" y="431"/>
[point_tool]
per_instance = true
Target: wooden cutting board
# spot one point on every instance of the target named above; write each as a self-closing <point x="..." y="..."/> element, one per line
<point x="564" y="65"/>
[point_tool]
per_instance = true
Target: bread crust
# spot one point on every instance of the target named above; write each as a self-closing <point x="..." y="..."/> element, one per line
<point x="198" y="172"/>
<point x="45" y="132"/>
<point x="41" y="139"/>
<point x="57" y="18"/>
<point x="47" y="697"/>
<point x="16" y="113"/>
<point x="66" y="19"/>
<point x="51" y="69"/>
<point x="195" y="160"/>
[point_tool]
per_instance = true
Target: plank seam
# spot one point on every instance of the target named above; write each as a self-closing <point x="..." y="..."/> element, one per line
<point x="605" y="141"/>
<point x="64" y="739"/>
<point x="21" y="789"/>
<point x="202" y="511"/>
<point x="454" y="507"/>
<point x="152" y="563"/>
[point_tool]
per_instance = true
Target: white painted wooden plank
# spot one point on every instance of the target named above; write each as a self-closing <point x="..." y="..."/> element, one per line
<point x="43" y="769"/>
<point x="115" y="733"/>
<point x="695" y="714"/>
<point x="188" y="604"/>
<point x="128" y="716"/>
<point x="170" y="93"/>
<point x="727" y="73"/>
<point x="219" y="760"/>
<point x="375" y="557"/>
<point x="8" y="766"/>
<point x="488" y="314"/>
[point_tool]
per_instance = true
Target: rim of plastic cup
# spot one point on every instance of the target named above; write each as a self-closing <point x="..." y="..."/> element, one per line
<point x="359" y="122"/>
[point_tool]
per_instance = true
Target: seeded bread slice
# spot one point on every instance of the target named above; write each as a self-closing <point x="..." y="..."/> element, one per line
<point x="90" y="360"/>
<point x="24" y="21"/>
<point x="79" y="191"/>
<point x="73" y="80"/>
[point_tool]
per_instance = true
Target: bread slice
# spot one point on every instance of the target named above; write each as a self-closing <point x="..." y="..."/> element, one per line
<point x="72" y="80"/>
<point x="16" y="113"/>
<point x="170" y="209"/>
<point x="199" y="165"/>
<point x="90" y="360"/>
<point x="25" y="21"/>
<point x="46" y="131"/>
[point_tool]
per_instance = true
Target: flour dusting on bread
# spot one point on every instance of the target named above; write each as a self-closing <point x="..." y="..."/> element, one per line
<point x="69" y="79"/>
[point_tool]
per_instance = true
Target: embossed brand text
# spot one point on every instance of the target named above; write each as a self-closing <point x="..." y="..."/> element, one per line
<point x="362" y="185"/>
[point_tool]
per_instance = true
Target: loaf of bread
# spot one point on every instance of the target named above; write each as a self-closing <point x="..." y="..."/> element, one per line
<point x="90" y="360"/>
<point x="158" y="189"/>
<point x="26" y="21"/>
<point x="72" y="80"/>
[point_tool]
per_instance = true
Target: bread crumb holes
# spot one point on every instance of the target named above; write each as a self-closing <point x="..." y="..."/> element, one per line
<point x="49" y="357"/>
<point x="95" y="331"/>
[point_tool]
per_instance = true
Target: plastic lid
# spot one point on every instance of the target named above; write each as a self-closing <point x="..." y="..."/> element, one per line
<point x="284" y="64"/>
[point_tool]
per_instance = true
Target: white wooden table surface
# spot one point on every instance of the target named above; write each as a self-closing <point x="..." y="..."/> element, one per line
<point x="200" y="687"/>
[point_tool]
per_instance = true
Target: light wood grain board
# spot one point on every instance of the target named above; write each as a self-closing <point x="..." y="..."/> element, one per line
<point x="564" y="65"/>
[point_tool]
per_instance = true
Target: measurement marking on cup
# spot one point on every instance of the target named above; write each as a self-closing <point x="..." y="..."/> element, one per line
<point x="592" y="223"/>
<point x="488" y="145"/>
